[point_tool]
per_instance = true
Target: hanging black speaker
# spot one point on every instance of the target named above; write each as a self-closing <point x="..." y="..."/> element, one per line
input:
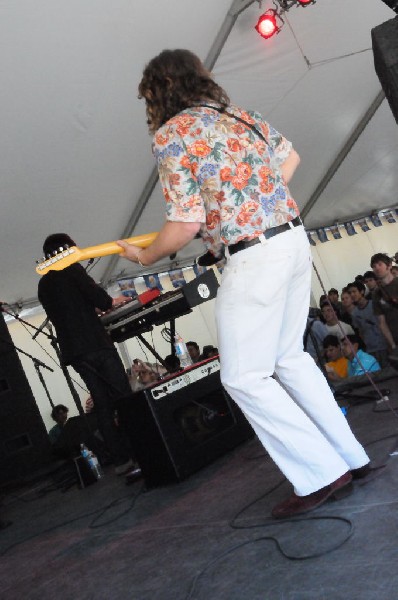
<point x="385" y="52"/>
<point x="24" y="443"/>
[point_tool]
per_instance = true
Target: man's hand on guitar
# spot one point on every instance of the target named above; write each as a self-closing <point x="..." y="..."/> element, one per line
<point x="131" y="252"/>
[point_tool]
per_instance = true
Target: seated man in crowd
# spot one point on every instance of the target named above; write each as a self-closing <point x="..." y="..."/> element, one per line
<point x="315" y="333"/>
<point x="359" y="362"/>
<point x="172" y="363"/>
<point x="333" y="325"/>
<point x="333" y="296"/>
<point x="348" y="306"/>
<point x="144" y="374"/>
<point x="208" y="352"/>
<point x="194" y="351"/>
<point x="370" y="282"/>
<point x="337" y="364"/>
<point x="365" y="321"/>
<point x="59" y="414"/>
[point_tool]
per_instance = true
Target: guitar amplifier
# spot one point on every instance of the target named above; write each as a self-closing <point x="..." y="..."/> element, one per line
<point x="182" y="424"/>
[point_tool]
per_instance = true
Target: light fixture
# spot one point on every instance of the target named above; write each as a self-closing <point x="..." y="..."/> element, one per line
<point x="271" y="22"/>
<point x="267" y="25"/>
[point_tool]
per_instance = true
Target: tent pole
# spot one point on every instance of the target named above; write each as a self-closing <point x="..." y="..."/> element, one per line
<point x="342" y="154"/>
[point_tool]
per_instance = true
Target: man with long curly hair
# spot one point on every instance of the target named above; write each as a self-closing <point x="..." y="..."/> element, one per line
<point x="225" y="173"/>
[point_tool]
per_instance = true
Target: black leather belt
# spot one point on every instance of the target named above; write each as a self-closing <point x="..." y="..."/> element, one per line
<point x="268" y="233"/>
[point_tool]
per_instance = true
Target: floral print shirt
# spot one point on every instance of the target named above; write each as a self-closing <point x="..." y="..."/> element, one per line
<point x="215" y="170"/>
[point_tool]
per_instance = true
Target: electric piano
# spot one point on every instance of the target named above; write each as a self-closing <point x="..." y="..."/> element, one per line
<point x="146" y="311"/>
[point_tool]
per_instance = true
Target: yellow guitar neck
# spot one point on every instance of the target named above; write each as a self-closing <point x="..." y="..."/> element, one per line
<point x="112" y="248"/>
<point x="69" y="256"/>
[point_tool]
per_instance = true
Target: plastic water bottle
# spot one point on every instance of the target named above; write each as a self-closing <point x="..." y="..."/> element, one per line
<point x="92" y="461"/>
<point x="94" y="465"/>
<point x="182" y="352"/>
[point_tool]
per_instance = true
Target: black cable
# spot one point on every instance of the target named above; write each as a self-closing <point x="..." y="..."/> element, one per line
<point x="92" y="525"/>
<point x="142" y="348"/>
<point x="273" y="523"/>
<point x="166" y="334"/>
<point x="90" y="266"/>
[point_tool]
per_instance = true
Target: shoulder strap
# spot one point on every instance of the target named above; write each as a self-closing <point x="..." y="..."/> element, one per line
<point x="250" y="125"/>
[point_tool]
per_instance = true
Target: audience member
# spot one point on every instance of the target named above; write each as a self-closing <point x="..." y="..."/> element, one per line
<point x="394" y="271"/>
<point x="370" y="282"/>
<point x="314" y="334"/>
<point x="172" y="363"/>
<point x="143" y="374"/>
<point x="209" y="352"/>
<point x="333" y="325"/>
<point x="359" y="362"/>
<point x="194" y="351"/>
<point x="364" y="319"/>
<point x="333" y="296"/>
<point x="59" y="414"/>
<point x="385" y="298"/>
<point x="347" y="306"/>
<point x="337" y="364"/>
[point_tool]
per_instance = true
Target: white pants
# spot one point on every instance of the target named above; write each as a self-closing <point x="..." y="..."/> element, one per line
<point x="261" y="309"/>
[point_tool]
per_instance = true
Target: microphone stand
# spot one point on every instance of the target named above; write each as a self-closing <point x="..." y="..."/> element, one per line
<point x="37" y="363"/>
<point x="53" y="341"/>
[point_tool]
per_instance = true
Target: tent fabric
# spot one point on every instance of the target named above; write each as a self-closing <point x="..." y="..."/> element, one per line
<point x="75" y="151"/>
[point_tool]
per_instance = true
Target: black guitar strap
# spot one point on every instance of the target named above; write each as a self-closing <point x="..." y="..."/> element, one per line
<point x="250" y="125"/>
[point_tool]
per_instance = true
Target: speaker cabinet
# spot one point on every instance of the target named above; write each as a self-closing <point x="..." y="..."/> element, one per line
<point x="385" y="52"/>
<point x="177" y="433"/>
<point x="24" y="444"/>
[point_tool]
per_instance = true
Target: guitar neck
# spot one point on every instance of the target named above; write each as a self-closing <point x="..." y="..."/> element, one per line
<point x="112" y="247"/>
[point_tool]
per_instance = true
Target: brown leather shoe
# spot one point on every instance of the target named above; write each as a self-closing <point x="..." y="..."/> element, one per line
<point x="362" y="472"/>
<point x="297" y="505"/>
<point x="366" y="473"/>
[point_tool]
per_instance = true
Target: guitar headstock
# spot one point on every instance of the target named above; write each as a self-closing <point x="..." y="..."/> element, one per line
<point x="61" y="259"/>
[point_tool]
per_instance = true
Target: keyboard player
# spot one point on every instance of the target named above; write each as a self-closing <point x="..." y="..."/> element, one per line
<point x="70" y="298"/>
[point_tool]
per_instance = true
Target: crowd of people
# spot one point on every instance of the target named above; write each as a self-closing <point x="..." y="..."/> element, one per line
<point x="357" y="332"/>
<point x="143" y="373"/>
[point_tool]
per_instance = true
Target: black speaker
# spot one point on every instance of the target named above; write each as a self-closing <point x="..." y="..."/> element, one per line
<point x="385" y="52"/>
<point x="175" y="433"/>
<point x="24" y="443"/>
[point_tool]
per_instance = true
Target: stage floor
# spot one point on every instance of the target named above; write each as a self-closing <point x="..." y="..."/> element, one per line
<point x="209" y="537"/>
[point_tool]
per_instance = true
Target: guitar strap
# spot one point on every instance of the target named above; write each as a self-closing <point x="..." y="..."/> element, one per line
<point x="250" y="125"/>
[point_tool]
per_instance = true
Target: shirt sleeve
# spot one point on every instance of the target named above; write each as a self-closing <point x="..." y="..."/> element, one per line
<point x="180" y="187"/>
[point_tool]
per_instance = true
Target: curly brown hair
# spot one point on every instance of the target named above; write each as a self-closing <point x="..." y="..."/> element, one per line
<point x="173" y="81"/>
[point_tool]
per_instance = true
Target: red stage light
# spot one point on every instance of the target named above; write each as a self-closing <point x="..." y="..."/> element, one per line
<point x="266" y="25"/>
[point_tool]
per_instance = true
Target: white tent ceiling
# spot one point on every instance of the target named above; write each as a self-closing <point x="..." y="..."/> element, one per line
<point x="75" y="152"/>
